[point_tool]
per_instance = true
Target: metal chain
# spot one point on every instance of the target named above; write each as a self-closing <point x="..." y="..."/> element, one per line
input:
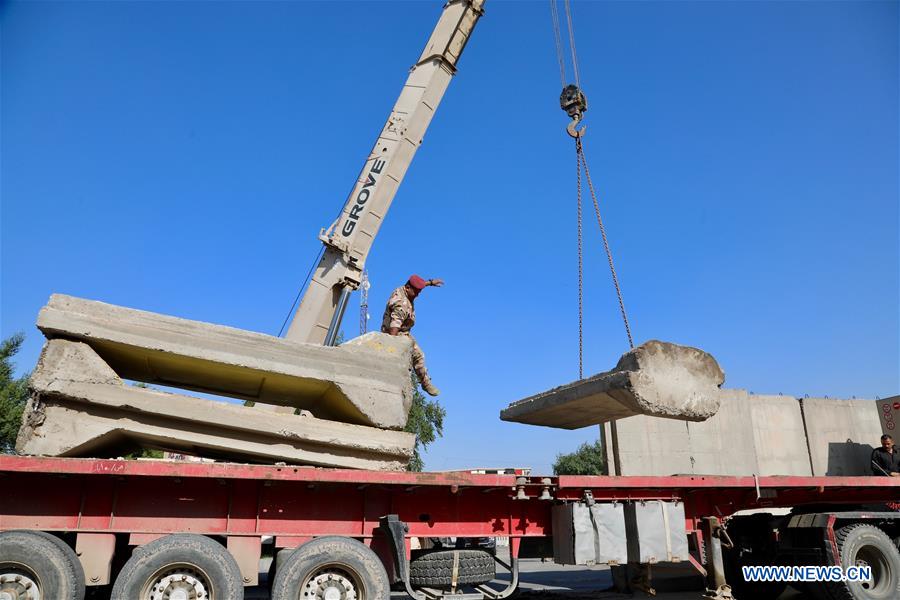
<point x="583" y="160"/>
<point x="578" y="157"/>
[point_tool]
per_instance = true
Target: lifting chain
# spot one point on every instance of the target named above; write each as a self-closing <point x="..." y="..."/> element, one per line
<point x="582" y="162"/>
<point x="580" y="273"/>
<point x="573" y="101"/>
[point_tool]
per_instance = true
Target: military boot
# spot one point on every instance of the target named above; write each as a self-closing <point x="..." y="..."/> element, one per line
<point x="429" y="387"/>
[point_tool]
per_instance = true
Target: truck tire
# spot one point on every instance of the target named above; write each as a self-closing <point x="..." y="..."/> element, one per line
<point x="331" y="566"/>
<point x="31" y="560"/>
<point x="861" y="544"/>
<point x="435" y="569"/>
<point x="195" y="565"/>
<point x="70" y="556"/>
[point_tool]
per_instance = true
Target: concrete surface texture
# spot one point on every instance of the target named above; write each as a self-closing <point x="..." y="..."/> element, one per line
<point x="722" y="445"/>
<point x="779" y="435"/>
<point x="364" y="381"/>
<point x="753" y="434"/>
<point x="841" y="434"/>
<point x="80" y="407"/>
<point x="649" y="446"/>
<point x="660" y="379"/>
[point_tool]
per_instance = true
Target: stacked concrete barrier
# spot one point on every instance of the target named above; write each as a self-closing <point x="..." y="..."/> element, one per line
<point x="351" y="399"/>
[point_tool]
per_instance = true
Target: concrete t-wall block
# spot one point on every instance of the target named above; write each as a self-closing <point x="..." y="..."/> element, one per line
<point x="364" y="381"/>
<point x="751" y="434"/>
<point x="725" y="444"/>
<point x="842" y="435"/>
<point x="80" y="408"/>
<point x="652" y="446"/>
<point x="779" y="435"/>
<point x="658" y="379"/>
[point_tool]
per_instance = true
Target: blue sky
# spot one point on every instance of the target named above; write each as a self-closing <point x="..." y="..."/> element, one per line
<point x="181" y="157"/>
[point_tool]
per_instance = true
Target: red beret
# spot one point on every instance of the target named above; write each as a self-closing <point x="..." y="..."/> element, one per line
<point x="417" y="282"/>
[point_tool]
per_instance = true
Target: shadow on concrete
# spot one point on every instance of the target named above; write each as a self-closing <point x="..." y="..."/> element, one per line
<point x="849" y="458"/>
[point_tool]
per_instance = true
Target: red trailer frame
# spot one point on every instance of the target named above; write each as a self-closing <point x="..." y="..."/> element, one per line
<point x="98" y="499"/>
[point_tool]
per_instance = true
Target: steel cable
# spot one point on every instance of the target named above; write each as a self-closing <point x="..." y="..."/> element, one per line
<point x="579" y="148"/>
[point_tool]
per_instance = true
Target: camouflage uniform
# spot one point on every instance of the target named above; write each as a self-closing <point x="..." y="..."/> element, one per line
<point x="401" y="313"/>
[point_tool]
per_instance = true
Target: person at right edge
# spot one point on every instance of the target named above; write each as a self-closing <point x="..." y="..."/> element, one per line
<point x="886" y="460"/>
<point x="399" y="318"/>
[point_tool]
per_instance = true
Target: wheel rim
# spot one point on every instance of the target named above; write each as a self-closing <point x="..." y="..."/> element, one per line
<point x="178" y="582"/>
<point x="18" y="582"/>
<point x="333" y="582"/>
<point x="880" y="585"/>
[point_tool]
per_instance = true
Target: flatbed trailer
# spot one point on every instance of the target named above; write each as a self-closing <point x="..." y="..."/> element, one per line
<point x="103" y="509"/>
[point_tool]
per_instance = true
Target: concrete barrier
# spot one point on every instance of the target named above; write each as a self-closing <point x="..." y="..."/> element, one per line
<point x="841" y="434"/>
<point x="721" y="445"/>
<point x="656" y="378"/>
<point x="649" y="446"/>
<point x="779" y="435"/>
<point x="724" y="444"/>
<point x="80" y="407"/>
<point x="751" y="434"/>
<point x="364" y="381"/>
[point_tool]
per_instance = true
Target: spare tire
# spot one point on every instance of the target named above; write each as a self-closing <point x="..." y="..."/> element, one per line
<point x="435" y="569"/>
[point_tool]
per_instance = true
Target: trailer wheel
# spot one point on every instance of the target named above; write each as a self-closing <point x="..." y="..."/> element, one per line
<point x="435" y="569"/>
<point x="331" y="568"/>
<point x="179" y="567"/>
<point x="867" y="545"/>
<point x="35" y="567"/>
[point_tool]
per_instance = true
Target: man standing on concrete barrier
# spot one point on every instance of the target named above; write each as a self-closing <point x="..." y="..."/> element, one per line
<point x="399" y="318"/>
<point x="886" y="460"/>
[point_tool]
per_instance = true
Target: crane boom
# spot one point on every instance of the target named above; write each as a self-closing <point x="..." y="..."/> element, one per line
<point x="348" y="240"/>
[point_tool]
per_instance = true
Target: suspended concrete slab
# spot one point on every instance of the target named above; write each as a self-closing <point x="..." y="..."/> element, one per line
<point x="364" y="381"/>
<point x="658" y="379"/>
<point x="81" y="408"/>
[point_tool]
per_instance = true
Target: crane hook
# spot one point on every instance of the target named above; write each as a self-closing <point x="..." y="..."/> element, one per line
<point x="573" y="101"/>
<point x="576" y="133"/>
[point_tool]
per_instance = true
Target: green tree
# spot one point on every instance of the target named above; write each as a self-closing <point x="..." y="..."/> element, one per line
<point x="13" y="393"/>
<point x="426" y="420"/>
<point x="587" y="460"/>
<point x="143" y="453"/>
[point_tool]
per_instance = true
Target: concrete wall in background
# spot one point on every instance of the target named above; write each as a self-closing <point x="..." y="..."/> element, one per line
<point x="751" y="434"/>
<point x="841" y="434"/>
